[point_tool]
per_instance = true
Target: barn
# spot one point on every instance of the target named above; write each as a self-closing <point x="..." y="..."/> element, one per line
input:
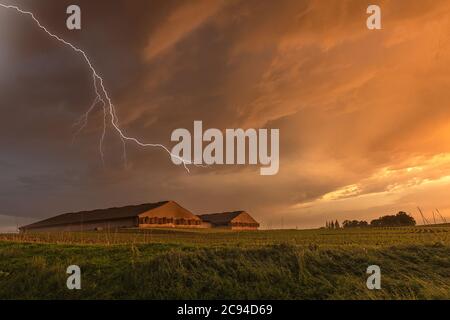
<point x="236" y="220"/>
<point x="167" y="214"/>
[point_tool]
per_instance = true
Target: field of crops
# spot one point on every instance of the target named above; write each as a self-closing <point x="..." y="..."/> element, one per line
<point x="211" y="264"/>
<point x="214" y="237"/>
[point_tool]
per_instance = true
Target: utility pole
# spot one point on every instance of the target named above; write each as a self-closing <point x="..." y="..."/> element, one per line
<point x="443" y="219"/>
<point x="425" y="221"/>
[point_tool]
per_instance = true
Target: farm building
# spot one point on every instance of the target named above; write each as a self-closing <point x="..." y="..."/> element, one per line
<point x="236" y="220"/>
<point x="166" y="214"/>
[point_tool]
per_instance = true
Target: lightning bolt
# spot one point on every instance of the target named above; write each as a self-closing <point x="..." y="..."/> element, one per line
<point x="102" y="96"/>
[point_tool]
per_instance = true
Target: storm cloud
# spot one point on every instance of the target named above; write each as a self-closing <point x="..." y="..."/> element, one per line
<point x="363" y="115"/>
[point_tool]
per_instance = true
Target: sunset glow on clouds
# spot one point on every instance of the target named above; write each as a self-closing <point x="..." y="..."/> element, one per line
<point x="363" y="115"/>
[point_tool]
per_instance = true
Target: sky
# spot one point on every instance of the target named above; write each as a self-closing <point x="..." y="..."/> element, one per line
<point x="363" y="114"/>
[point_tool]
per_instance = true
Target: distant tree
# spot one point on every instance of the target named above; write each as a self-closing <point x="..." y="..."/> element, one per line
<point x="336" y="225"/>
<point x="354" y="224"/>
<point x="363" y="224"/>
<point x="401" y="219"/>
<point x="349" y="224"/>
<point x="327" y="226"/>
<point x="331" y="225"/>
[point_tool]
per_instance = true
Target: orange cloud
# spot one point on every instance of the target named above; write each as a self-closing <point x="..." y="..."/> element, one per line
<point x="179" y="23"/>
<point x="363" y="115"/>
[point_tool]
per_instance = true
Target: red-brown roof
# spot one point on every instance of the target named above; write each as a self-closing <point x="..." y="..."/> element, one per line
<point x="224" y="218"/>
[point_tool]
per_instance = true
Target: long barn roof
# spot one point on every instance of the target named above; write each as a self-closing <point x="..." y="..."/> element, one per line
<point x="96" y="215"/>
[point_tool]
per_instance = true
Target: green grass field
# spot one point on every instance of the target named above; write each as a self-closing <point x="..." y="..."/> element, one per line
<point x="211" y="264"/>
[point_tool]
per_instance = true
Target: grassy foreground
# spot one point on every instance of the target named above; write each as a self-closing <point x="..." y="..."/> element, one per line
<point x="167" y="264"/>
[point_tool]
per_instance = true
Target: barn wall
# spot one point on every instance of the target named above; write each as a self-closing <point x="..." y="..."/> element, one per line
<point x="170" y="215"/>
<point x="89" y="226"/>
<point x="244" y="221"/>
<point x="244" y="217"/>
<point x="172" y="225"/>
<point x="244" y="228"/>
<point x="206" y="225"/>
<point x="170" y="210"/>
<point x="233" y="228"/>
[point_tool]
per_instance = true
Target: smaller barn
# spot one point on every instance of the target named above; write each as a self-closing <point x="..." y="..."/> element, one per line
<point x="236" y="220"/>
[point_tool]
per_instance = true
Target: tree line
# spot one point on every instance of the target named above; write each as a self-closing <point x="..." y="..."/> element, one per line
<point x="401" y="219"/>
